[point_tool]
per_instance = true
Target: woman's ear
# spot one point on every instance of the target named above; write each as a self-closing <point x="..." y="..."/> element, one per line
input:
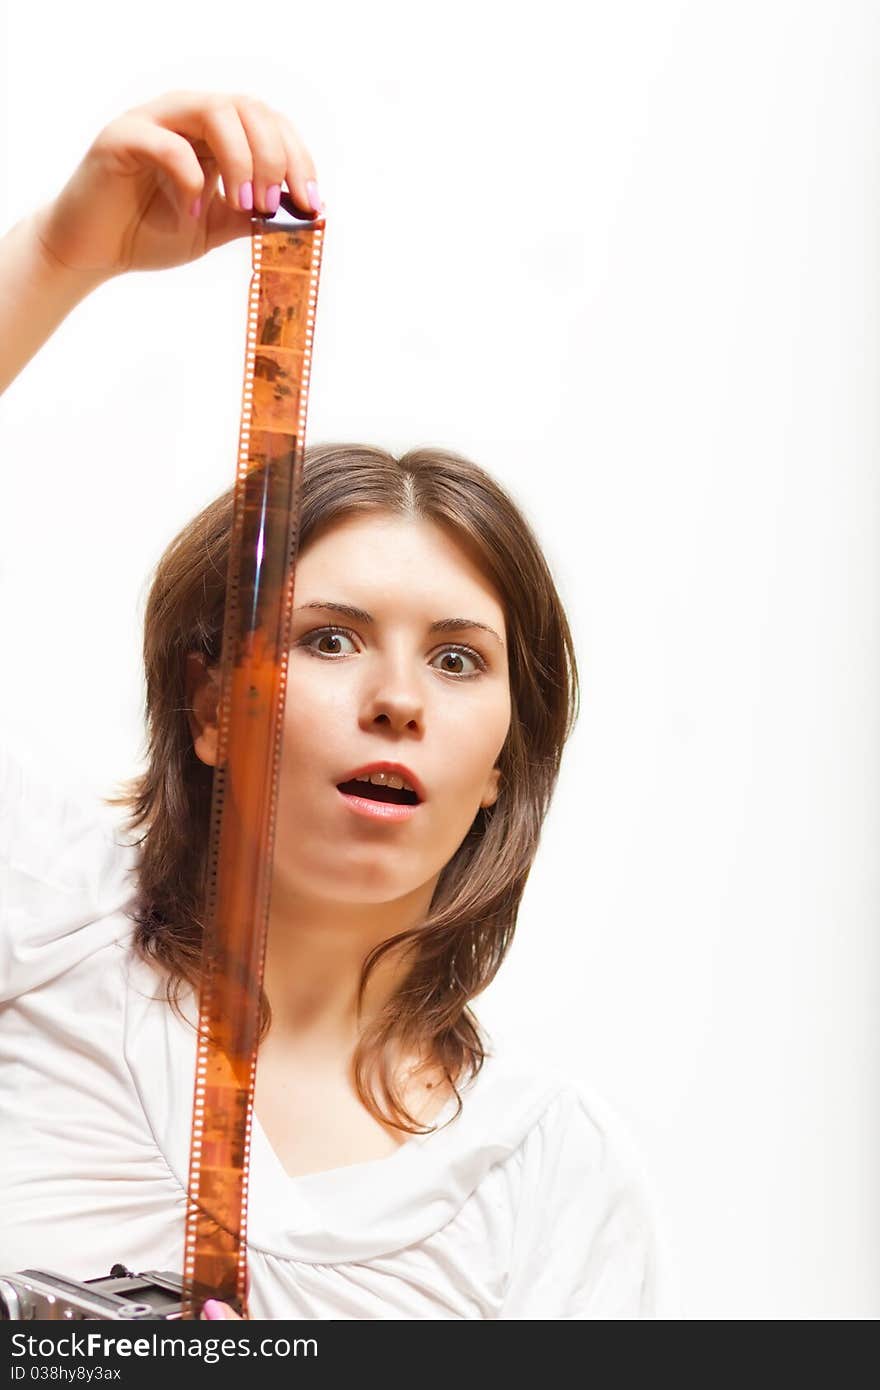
<point x="490" y="795"/>
<point x="203" y="700"/>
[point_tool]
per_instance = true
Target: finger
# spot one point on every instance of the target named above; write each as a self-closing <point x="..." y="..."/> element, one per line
<point x="223" y="130"/>
<point x="212" y="1308"/>
<point x="190" y="113"/>
<point x="212" y="177"/>
<point x="131" y="142"/>
<point x="213" y="126"/>
<point x="268" y="156"/>
<point x="223" y="223"/>
<point x="300" y="172"/>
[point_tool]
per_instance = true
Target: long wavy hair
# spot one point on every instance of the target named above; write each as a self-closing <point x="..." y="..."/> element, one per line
<point x="458" y="948"/>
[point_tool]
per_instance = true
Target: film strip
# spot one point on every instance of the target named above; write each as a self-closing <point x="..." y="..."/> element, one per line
<point x="286" y="253"/>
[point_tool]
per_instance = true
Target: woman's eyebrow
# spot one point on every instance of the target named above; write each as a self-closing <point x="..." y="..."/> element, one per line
<point x="359" y="615"/>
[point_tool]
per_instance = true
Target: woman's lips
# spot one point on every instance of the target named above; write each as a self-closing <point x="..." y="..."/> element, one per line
<point x="377" y="810"/>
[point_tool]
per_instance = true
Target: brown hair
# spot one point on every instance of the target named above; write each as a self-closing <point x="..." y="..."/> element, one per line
<point x="457" y="950"/>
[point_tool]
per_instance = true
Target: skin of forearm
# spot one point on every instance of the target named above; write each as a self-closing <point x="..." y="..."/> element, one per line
<point x="37" y="293"/>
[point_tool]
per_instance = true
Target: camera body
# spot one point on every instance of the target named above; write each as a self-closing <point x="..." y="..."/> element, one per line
<point x="33" y="1294"/>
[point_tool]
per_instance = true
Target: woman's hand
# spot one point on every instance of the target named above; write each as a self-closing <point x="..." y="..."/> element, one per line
<point x="146" y="195"/>
<point x="214" y="1309"/>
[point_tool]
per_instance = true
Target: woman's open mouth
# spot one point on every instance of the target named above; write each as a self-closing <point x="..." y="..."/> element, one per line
<point x="378" y="802"/>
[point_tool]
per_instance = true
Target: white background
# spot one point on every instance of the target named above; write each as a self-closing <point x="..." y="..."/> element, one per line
<point x="625" y="255"/>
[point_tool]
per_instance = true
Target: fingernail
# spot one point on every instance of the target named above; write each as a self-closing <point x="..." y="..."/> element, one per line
<point x="314" y="195"/>
<point x="273" y="197"/>
<point x="213" y="1309"/>
<point x="246" y="196"/>
<point x="196" y="209"/>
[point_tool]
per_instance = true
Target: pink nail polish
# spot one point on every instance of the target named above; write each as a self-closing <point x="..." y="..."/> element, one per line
<point x="246" y="196"/>
<point x="212" y="1309"/>
<point x="273" y="197"/>
<point x="314" y="196"/>
<point x="196" y="209"/>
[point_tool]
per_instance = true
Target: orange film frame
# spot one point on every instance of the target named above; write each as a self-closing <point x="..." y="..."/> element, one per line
<point x="286" y="256"/>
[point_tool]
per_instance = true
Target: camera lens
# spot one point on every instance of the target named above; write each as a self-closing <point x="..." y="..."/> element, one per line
<point x="10" y="1304"/>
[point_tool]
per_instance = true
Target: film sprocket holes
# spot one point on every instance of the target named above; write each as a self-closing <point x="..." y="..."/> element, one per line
<point x="286" y="256"/>
<point x="286" y="259"/>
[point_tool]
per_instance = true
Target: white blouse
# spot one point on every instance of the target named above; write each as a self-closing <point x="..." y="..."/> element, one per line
<point x="531" y="1204"/>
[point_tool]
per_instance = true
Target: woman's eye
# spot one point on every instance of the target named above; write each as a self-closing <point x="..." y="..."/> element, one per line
<point x="459" y="654"/>
<point x="325" y="634"/>
<point x="456" y="655"/>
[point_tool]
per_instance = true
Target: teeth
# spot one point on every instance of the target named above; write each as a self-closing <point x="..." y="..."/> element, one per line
<point x="386" y="779"/>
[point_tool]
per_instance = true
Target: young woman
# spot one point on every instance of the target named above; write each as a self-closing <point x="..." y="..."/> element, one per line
<point x="399" y="1168"/>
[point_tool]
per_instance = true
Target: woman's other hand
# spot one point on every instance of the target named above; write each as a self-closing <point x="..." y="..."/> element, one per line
<point x="145" y="195"/>
<point x="212" y="1308"/>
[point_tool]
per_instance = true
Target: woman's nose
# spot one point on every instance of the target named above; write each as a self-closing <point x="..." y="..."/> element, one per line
<point x="395" y="697"/>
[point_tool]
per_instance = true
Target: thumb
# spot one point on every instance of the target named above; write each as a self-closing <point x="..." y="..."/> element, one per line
<point x="223" y="222"/>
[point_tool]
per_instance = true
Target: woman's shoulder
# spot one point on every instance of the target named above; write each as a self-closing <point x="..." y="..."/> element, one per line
<point x="549" y="1130"/>
<point x="555" y="1116"/>
<point x="537" y="1108"/>
<point x="589" y="1227"/>
<point x="511" y="1074"/>
<point x="67" y="873"/>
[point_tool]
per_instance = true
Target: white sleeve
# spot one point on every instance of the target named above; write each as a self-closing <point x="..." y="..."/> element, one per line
<point x="65" y="875"/>
<point x="586" y="1242"/>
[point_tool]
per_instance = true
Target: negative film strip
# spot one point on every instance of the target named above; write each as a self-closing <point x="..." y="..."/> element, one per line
<point x="259" y="598"/>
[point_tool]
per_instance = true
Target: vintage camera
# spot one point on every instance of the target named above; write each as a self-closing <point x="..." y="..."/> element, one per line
<point x="32" y="1294"/>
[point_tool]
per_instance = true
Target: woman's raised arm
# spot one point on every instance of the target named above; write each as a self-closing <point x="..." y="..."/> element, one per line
<point x="146" y="196"/>
<point x="36" y="295"/>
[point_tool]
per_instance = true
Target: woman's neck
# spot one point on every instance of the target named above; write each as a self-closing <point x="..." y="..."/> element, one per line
<point x="315" y="952"/>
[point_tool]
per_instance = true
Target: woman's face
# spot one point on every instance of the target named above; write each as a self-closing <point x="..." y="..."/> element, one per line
<point x="387" y="689"/>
